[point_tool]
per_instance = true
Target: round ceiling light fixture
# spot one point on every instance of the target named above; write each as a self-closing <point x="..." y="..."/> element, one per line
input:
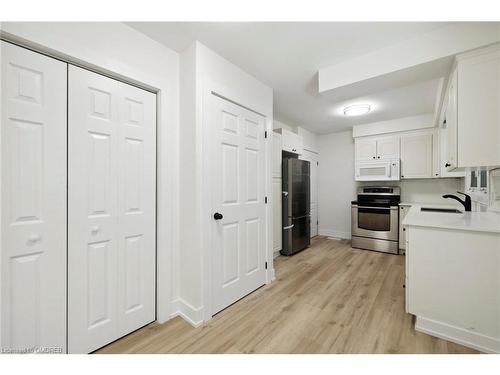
<point x="357" y="110"/>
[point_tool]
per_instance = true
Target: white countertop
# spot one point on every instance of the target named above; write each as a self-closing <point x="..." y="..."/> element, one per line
<point x="471" y="221"/>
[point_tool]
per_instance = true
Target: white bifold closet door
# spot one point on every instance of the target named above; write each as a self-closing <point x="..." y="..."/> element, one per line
<point x="238" y="193"/>
<point x="33" y="201"/>
<point x="111" y="209"/>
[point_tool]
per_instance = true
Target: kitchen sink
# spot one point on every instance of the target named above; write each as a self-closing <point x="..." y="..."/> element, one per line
<point x="446" y="210"/>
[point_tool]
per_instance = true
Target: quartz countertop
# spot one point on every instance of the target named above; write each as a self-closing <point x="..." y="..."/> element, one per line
<point x="471" y="221"/>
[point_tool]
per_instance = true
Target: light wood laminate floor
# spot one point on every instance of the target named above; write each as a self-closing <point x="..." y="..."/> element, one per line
<point x="329" y="298"/>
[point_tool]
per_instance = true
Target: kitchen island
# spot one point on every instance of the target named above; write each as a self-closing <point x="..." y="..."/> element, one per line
<point x="453" y="276"/>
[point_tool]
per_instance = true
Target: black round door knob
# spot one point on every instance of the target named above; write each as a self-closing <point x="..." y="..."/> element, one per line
<point x="218" y="216"/>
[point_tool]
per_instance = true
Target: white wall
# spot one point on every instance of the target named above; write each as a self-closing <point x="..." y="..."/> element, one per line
<point x="336" y="185"/>
<point x="122" y="52"/>
<point x="278" y="125"/>
<point x="337" y="188"/>
<point x="202" y="70"/>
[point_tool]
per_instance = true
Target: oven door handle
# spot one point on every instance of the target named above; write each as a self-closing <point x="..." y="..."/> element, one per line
<point x="376" y="208"/>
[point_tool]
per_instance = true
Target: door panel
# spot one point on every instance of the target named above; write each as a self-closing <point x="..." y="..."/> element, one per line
<point x="388" y="148"/>
<point x="33" y="200"/>
<point x="365" y="149"/>
<point x="416" y="155"/>
<point x="111" y="255"/>
<point x="238" y="194"/>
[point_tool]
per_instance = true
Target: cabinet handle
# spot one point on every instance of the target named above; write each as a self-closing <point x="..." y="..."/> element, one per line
<point x="447" y="165"/>
<point x="374" y="157"/>
<point x="95" y="229"/>
<point x="378" y="157"/>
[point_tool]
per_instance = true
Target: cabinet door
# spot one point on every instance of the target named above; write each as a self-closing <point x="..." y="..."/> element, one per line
<point x="416" y="155"/>
<point x="388" y="148"/>
<point x="33" y="200"/>
<point x="403" y="210"/>
<point x="443" y="156"/>
<point x="286" y="140"/>
<point x="290" y="141"/>
<point x="478" y="111"/>
<point x="277" y="214"/>
<point x="297" y="144"/>
<point x="451" y="157"/>
<point x="365" y="149"/>
<point x="276" y="155"/>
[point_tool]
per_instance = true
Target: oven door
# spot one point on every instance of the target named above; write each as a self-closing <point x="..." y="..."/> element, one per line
<point x="375" y="222"/>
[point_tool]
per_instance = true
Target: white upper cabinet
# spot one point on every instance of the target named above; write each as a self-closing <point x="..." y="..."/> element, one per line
<point x="378" y="148"/>
<point x="365" y="149"/>
<point x="450" y="153"/>
<point x="290" y="141"/>
<point x="417" y="155"/>
<point x="388" y="148"/>
<point x="477" y="139"/>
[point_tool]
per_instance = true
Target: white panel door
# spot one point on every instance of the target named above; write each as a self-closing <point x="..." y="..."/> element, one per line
<point x="238" y="248"/>
<point x="416" y="155"/>
<point x="111" y="209"/>
<point x="33" y="200"/>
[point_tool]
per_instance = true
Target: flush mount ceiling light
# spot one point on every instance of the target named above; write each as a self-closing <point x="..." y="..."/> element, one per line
<point x="357" y="110"/>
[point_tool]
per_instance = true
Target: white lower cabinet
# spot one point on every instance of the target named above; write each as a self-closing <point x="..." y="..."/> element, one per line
<point x="403" y="210"/>
<point x="33" y="201"/>
<point x="453" y="283"/>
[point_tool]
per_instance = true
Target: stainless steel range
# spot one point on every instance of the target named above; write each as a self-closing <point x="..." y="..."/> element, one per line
<point x="375" y="219"/>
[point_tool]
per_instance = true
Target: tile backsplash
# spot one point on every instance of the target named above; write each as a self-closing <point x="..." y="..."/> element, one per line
<point x="425" y="190"/>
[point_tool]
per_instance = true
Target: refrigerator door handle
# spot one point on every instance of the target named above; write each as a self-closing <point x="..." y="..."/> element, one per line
<point x="288" y="227"/>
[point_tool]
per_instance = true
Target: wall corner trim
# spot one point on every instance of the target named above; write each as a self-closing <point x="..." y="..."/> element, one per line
<point x="192" y="315"/>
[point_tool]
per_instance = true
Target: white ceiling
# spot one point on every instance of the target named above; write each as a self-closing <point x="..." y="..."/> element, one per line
<point x="287" y="55"/>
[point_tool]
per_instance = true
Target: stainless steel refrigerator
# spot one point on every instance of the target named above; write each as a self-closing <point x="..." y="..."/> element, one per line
<point x="296" y="205"/>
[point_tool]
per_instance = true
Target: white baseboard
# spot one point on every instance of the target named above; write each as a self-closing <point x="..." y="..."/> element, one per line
<point x="334" y="233"/>
<point x="474" y="340"/>
<point x="193" y="316"/>
<point x="276" y="254"/>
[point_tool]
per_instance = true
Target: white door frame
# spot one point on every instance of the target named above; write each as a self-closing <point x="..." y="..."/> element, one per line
<point x="208" y="87"/>
<point x="164" y="203"/>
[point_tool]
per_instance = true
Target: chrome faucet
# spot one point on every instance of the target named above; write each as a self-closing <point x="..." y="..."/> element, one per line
<point x="466" y="202"/>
